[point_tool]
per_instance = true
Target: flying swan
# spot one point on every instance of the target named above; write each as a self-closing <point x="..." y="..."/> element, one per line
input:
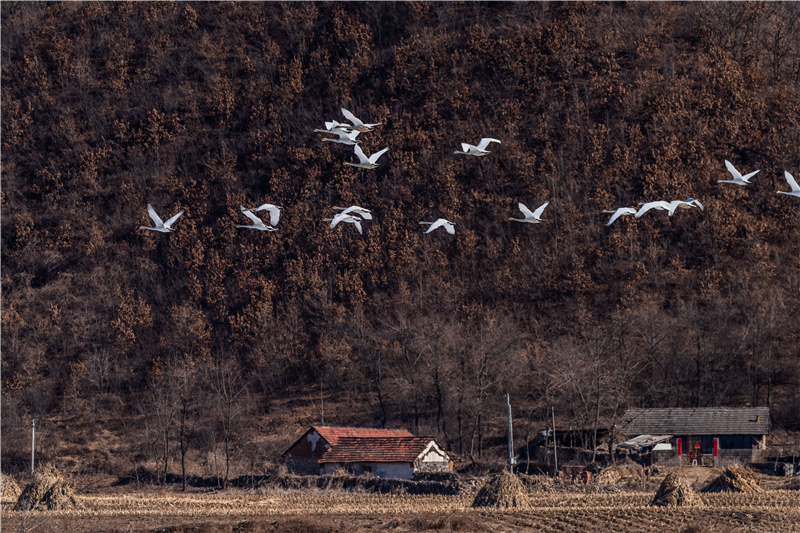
<point x="163" y="227"/>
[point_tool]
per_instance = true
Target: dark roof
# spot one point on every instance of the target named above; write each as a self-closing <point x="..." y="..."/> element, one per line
<point x="377" y="450"/>
<point x="697" y="421"/>
<point x="332" y="434"/>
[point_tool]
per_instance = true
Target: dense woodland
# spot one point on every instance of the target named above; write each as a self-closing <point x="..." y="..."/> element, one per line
<point x="191" y="337"/>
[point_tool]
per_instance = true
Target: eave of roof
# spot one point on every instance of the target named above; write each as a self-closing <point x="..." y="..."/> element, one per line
<point x="697" y="421"/>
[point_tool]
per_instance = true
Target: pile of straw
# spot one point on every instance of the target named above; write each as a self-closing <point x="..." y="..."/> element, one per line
<point x="9" y="489"/>
<point x="617" y="473"/>
<point x="735" y="478"/>
<point x="505" y="491"/>
<point x="676" y="491"/>
<point x="49" y="490"/>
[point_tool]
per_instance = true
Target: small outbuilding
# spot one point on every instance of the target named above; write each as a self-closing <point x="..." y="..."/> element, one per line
<point x="303" y="456"/>
<point x="704" y="436"/>
<point x="389" y="457"/>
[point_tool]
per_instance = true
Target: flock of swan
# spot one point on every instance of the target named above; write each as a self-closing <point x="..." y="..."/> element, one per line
<point x="347" y="134"/>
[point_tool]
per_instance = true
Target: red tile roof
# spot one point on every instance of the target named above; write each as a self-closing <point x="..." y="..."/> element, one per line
<point x="376" y="450"/>
<point x="332" y="435"/>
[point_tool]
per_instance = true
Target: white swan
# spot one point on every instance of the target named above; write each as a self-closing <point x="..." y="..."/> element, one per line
<point x="343" y="137"/>
<point x="738" y="179"/>
<point x="792" y="183"/>
<point x="366" y="214"/>
<point x="274" y="212"/>
<point x="257" y="223"/>
<point x="357" y="124"/>
<point x="449" y="226"/>
<point x="343" y="217"/>
<point x="619" y="212"/>
<point x="660" y="205"/>
<point x="163" y="227"/>
<point x="479" y="150"/>
<point x="684" y="204"/>
<point x="533" y="218"/>
<point x="364" y="161"/>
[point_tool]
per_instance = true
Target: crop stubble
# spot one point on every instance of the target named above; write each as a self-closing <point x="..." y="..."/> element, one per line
<point x="774" y="510"/>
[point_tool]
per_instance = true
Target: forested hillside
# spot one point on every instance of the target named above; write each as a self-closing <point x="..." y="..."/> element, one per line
<point x="187" y="336"/>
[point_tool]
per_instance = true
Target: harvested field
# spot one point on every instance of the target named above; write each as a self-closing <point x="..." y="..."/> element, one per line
<point x="776" y="511"/>
<point x="735" y="478"/>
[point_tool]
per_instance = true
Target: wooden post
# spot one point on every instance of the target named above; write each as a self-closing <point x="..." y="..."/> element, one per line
<point x="510" y="436"/>
<point x="555" y="446"/>
<point x="33" y="435"/>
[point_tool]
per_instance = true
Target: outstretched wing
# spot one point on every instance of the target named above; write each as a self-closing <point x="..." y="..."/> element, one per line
<point x="435" y="225"/>
<point x="274" y="215"/>
<point x="618" y="213"/>
<point x="358" y="226"/>
<point x="790" y="180"/>
<point x="652" y="205"/>
<point x="698" y="204"/>
<point x="338" y="218"/>
<point x="735" y="173"/>
<point x="172" y="220"/>
<point x="485" y="142"/>
<point x="362" y="158"/>
<point x="538" y="212"/>
<point x="465" y="147"/>
<point x="747" y="177"/>
<point x="156" y="219"/>
<point x="527" y="213"/>
<point x="374" y="157"/>
<point x="251" y="216"/>
<point x="451" y="228"/>
<point x="349" y="116"/>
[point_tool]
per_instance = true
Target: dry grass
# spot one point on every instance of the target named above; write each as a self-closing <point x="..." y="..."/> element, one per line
<point x="735" y="478"/>
<point x="676" y="491"/>
<point x="614" y="474"/>
<point x="505" y="491"/>
<point x="49" y="490"/>
<point x="9" y="489"/>
<point x="775" y="511"/>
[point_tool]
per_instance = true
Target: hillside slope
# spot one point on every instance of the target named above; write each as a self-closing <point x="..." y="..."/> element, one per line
<point x="204" y="107"/>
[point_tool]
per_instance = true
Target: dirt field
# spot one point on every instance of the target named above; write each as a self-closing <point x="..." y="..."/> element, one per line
<point x="773" y="511"/>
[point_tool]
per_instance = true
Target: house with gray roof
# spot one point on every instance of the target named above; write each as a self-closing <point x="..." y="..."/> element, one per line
<point x="703" y="436"/>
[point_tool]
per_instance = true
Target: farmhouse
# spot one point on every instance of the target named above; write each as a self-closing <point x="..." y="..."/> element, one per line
<point x="303" y="456"/>
<point x="712" y="436"/>
<point x="391" y="457"/>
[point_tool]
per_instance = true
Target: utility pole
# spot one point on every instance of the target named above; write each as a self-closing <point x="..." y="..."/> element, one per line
<point x="33" y="435"/>
<point x="321" y="405"/>
<point x="511" y="460"/>
<point x="555" y="446"/>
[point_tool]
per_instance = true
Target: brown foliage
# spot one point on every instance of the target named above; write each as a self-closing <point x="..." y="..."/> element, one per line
<point x="208" y="106"/>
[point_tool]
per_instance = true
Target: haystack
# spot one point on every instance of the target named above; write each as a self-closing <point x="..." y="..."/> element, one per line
<point x="505" y="491"/>
<point x="676" y="491"/>
<point x="735" y="478"/>
<point x="9" y="489"/>
<point x="615" y="474"/>
<point x="49" y="490"/>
